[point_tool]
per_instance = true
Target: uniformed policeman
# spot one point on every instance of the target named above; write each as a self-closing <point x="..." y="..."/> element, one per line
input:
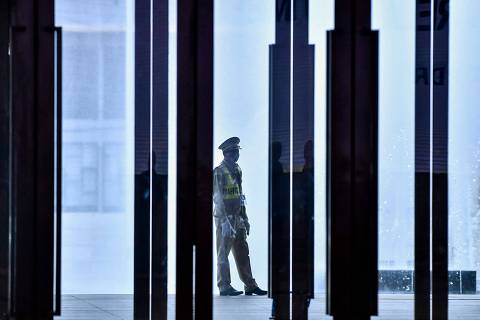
<point x="231" y="221"/>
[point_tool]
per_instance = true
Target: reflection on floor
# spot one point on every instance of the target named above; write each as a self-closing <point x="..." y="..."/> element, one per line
<point x="116" y="307"/>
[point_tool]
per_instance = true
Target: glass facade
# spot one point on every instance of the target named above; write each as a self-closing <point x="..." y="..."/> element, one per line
<point x="278" y="84"/>
<point x="321" y="20"/>
<point x="97" y="146"/>
<point x="395" y="21"/>
<point x="463" y="158"/>
<point x="243" y="32"/>
<point x="464" y="142"/>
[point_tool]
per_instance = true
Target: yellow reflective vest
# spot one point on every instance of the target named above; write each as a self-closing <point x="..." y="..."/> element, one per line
<point x="227" y="191"/>
<point x="231" y="188"/>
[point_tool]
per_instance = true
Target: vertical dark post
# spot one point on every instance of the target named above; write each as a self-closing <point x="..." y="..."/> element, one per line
<point x="58" y="171"/>
<point x="160" y="161"/>
<point x="204" y="161"/>
<point x="440" y="161"/>
<point x="194" y="158"/>
<point x="45" y="146"/>
<point x="141" y="287"/>
<point x="279" y="163"/>
<point x="32" y="94"/>
<point x="422" y="159"/>
<point x="303" y="164"/>
<point x="4" y="160"/>
<point x="186" y="155"/>
<point x="23" y="65"/>
<point x="352" y="163"/>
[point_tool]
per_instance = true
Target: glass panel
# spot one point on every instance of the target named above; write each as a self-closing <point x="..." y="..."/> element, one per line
<point x="243" y="32"/>
<point x="321" y="20"/>
<point x="396" y="21"/>
<point x="464" y="161"/>
<point x="97" y="260"/>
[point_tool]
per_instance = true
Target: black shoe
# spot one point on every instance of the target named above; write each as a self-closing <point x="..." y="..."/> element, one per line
<point x="230" y="292"/>
<point x="257" y="291"/>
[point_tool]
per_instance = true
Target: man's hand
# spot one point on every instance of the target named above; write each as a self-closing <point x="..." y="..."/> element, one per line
<point x="227" y="229"/>
<point x="247" y="227"/>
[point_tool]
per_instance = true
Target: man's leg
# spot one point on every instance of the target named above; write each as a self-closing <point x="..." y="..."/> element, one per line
<point x="224" y="246"/>
<point x="242" y="260"/>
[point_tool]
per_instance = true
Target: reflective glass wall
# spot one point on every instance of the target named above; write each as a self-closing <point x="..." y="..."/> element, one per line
<point x="242" y="35"/>
<point x="464" y="160"/>
<point x="321" y="20"/>
<point x="243" y="31"/>
<point x="395" y="21"/>
<point x="97" y="172"/>
<point x="98" y="141"/>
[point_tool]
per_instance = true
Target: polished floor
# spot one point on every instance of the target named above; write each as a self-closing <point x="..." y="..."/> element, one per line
<point x="119" y="307"/>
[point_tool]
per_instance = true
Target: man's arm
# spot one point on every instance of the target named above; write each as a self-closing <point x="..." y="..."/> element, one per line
<point x="219" y="212"/>
<point x="217" y="194"/>
<point x="243" y="208"/>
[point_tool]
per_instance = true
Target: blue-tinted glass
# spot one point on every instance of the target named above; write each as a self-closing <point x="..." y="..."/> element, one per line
<point x="243" y="31"/>
<point x="464" y="160"/>
<point x="97" y="146"/>
<point x="321" y="20"/>
<point x="396" y="22"/>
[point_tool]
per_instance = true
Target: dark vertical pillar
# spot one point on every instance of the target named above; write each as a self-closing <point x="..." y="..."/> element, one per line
<point x="194" y="158"/>
<point x="303" y="164"/>
<point x="45" y="146"/>
<point x="23" y="162"/>
<point x="186" y="155"/>
<point x="422" y="159"/>
<point x="160" y="160"/>
<point x="4" y="160"/>
<point x="352" y="163"/>
<point x="32" y="94"/>
<point x="204" y="161"/>
<point x="279" y="163"/>
<point x="141" y="287"/>
<point x="440" y="161"/>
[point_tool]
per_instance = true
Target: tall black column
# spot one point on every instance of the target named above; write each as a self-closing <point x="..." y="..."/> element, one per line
<point x="160" y="160"/>
<point x="440" y="161"/>
<point x="44" y="241"/>
<point x="32" y="175"/>
<point x="279" y="163"/>
<point x="4" y="160"/>
<point x="303" y="163"/>
<point x="431" y="169"/>
<point x="194" y="158"/>
<point x="422" y="159"/>
<point x="141" y="285"/>
<point x="352" y="163"/>
<point x="151" y="160"/>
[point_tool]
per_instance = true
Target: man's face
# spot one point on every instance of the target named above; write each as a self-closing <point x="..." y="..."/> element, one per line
<point x="232" y="155"/>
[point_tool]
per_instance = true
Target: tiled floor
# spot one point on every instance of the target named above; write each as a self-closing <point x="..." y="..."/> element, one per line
<point x="116" y="307"/>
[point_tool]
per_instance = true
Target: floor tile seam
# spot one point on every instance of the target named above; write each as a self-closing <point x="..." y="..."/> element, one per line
<point x="97" y="307"/>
